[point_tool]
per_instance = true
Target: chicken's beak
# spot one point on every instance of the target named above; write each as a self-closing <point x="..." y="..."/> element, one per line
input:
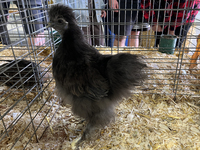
<point x="66" y="25"/>
<point x="50" y="24"/>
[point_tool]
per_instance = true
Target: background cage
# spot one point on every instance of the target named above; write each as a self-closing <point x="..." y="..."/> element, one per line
<point x="163" y="113"/>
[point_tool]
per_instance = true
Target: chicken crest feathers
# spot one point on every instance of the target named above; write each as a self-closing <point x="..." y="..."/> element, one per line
<point x="59" y="10"/>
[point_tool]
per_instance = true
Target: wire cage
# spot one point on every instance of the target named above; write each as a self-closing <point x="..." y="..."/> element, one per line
<point x="163" y="113"/>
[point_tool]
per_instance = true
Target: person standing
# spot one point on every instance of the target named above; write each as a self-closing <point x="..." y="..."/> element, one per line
<point x="122" y="18"/>
<point x="31" y="19"/>
<point x="89" y="15"/>
<point x="174" y="18"/>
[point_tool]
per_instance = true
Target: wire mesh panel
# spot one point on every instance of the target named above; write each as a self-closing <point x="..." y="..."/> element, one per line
<point x="26" y="51"/>
<point x="166" y="33"/>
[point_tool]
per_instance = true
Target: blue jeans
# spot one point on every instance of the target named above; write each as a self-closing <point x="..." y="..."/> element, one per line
<point x="34" y="26"/>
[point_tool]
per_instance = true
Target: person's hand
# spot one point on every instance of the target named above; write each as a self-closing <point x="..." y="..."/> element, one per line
<point x="171" y="33"/>
<point x="113" y="4"/>
<point x="103" y="13"/>
<point x="156" y="28"/>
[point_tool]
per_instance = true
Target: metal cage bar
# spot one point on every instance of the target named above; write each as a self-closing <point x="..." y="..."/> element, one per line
<point x="27" y="94"/>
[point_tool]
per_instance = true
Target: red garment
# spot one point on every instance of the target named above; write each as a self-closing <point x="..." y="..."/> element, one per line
<point x="182" y="11"/>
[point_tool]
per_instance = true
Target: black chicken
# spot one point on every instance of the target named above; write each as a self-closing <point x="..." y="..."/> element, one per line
<point x="90" y="82"/>
<point x="22" y="72"/>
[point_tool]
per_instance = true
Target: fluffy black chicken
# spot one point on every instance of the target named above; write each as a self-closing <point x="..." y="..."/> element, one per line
<point x="91" y="82"/>
<point x="22" y="72"/>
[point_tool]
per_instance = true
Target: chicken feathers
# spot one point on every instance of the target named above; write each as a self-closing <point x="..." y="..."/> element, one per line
<point x="90" y="82"/>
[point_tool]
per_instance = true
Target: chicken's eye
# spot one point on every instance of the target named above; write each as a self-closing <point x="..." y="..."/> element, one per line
<point x="60" y="21"/>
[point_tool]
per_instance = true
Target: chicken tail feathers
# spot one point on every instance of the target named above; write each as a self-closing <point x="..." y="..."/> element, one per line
<point x="125" y="71"/>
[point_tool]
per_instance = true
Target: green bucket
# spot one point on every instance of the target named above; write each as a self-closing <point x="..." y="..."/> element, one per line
<point x="167" y="44"/>
<point x="56" y="38"/>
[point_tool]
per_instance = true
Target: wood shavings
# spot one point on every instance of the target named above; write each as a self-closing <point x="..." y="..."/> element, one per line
<point x="144" y="121"/>
<point x="143" y="115"/>
<point x="193" y="105"/>
<point x="49" y="124"/>
<point x="146" y="38"/>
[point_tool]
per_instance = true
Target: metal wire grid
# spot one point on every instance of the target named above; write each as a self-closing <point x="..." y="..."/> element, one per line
<point x="28" y="50"/>
<point x="15" y="101"/>
<point x="181" y="62"/>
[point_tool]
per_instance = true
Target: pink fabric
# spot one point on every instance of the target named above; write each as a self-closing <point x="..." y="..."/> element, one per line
<point x="39" y="39"/>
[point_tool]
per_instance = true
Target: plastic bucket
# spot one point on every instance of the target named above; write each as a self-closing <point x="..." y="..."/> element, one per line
<point x="167" y="44"/>
<point x="56" y="38"/>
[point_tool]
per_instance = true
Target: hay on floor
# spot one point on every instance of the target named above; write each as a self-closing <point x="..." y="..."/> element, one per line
<point x="149" y="119"/>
